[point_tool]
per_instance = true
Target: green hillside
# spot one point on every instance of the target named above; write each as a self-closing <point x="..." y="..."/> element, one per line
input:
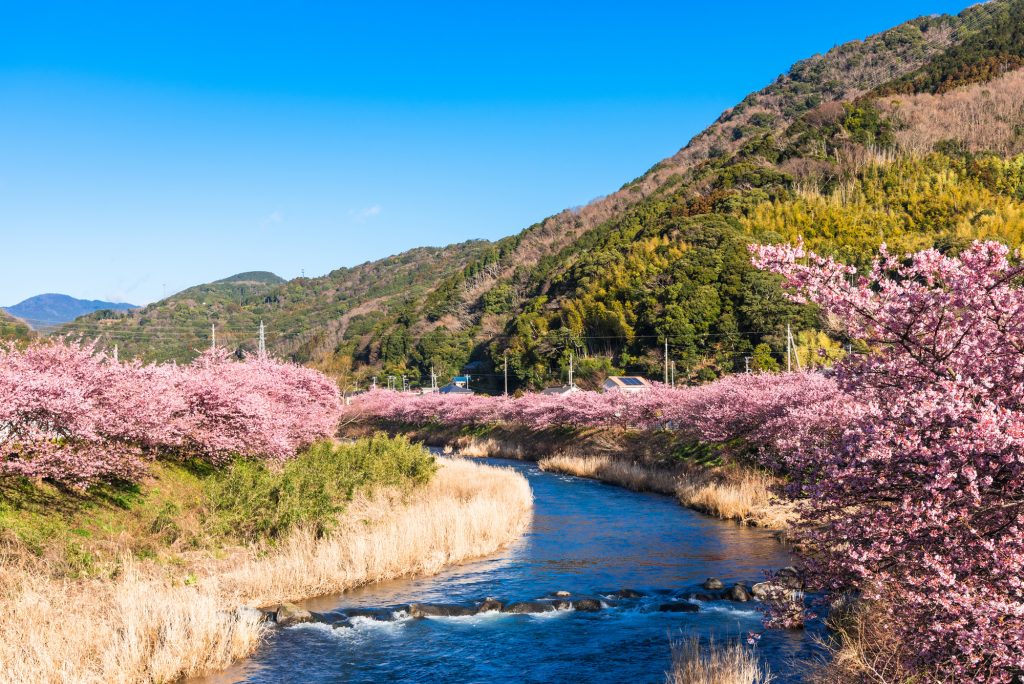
<point x="14" y="330"/>
<point x="911" y="137"/>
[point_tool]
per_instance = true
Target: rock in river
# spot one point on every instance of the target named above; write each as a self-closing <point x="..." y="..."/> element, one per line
<point x="739" y="592"/>
<point x="523" y="607"/>
<point x="626" y="594"/>
<point x="678" y="607"/>
<point x="420" y="610"/>
<point x="291" y="614"/>
<point x="587" y="605"/>
<point x="713" y="584"/>
<point x="489" y="605"/>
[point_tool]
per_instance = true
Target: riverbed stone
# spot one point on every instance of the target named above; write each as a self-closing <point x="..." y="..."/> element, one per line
<point x="713" y="584"/>
<point x="291" y="614"/>
<point x="524" y="607"/>
<point x="421" y="610"/>
<point x="562" y="594"/>
<point x="249" y="613"/>
<point x="763" y="591"/>
<point x="739" y="592"/>
<point x="587" y="605"/>
<point x="627" y="594"/>
<point x="678" y="607"/>
<point x="701" y="596"/>
<point x="489" y="605"/>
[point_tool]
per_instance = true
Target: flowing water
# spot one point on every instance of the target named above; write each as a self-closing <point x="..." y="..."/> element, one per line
<point x="587" y="538"/>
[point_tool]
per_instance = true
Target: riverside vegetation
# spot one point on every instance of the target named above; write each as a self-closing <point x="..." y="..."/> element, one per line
<point x="130" y="555"/>
<point x="904" y="463"/>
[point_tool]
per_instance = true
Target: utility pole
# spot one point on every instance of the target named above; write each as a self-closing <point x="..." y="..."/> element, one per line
<point x="374" y="382"/>
<point x="789" y="348"/>
<point x="405" y="385"/>
<point x="673" y="374"/>
<point x="570" y="370"/>
<point x="433" y="380"/>
<point x="666" y="360"/>
<point x="391" y="382"/>
<point x="115" y="353"/>
<point x="263" y="341"/>
<point x="213" y="336"/>
<point x="506" y="372"/>
<point x="746" y="364"/>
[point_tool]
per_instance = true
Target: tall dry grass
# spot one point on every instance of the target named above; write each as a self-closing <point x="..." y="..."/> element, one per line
<point x="730" y="492"/>
<point x="635" y="476"/>
<point x="151" y="625"/>
<point x="736" y="493"/>
<point x="732" y="663"/>
<point x="862" y="647"/>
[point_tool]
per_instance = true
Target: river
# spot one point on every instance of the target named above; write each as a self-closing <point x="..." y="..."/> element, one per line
<point x="587" y="538"/>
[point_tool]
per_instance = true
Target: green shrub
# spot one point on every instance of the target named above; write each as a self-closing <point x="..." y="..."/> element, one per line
<point x="252" y="501"/>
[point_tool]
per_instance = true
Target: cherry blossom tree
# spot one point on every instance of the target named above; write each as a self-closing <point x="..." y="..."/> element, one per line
<point x="915" y="491"/>
<point x="72" y="414"/>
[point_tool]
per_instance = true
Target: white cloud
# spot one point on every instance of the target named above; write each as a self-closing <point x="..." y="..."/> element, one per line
<point x="365" y="214"/>
<point x="273" y="218"/>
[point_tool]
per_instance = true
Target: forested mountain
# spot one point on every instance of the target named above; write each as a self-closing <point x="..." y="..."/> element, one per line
<point x="912" y="137"/>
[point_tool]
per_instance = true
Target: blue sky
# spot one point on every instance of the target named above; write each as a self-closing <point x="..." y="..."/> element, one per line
<point x="145" y="148"/>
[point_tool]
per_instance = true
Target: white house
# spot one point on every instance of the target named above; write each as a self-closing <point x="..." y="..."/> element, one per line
<point x="629" y="384"/>
<point x="563" y="391"/>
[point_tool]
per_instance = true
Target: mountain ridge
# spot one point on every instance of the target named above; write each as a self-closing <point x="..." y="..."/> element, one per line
<point x="51" y="309"/>
<point x="664" y="256"/>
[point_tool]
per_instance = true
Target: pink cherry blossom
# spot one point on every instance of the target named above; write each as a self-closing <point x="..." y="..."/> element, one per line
<point x="72" y="414"/>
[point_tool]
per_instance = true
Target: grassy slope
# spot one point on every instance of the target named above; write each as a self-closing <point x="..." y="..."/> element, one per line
<point x="13" y="329"/>
<point x="157" y="571"/>
<point x="181" y="511"/>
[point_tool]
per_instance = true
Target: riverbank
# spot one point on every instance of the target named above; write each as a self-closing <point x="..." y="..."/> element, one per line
<point x="128" y="589"/>
<point x="698" y="476"/>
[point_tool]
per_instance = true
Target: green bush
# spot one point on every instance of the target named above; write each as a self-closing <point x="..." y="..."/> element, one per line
<point x="252" y="501"/>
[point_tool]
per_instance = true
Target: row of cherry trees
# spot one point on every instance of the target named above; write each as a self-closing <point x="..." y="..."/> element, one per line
<point x="907" y="462"/>
<point x="74" y="415"/>
<point x="747" y="406"/>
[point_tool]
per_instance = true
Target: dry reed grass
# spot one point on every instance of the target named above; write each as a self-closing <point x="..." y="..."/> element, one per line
<point x="736" y="493"/>
<point x="150" y="625"/>
<point x="635" y="476"/>
<point x="863" y="648"/>
<point x="730" y="492"/>
<point x="732" y="663"/>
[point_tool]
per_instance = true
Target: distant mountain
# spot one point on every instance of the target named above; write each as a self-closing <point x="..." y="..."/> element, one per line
<point x="47" y="311"/>
<point x="914" y="136"/>
<point x="252" y="277"/>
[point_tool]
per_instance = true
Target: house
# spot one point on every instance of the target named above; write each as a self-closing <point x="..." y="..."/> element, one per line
<point x="461" y="381"/>
<point x="629" y="384"/>
<point x="563" y="391"/>
<point x="453" y="388"/>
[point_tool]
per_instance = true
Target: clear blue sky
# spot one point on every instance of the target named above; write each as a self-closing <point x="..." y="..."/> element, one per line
<point x="142" y="146"/>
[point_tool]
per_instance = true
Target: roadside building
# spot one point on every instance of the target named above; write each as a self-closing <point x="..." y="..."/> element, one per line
<point x="628" y="384"/>
<point x="563" y="391"/>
